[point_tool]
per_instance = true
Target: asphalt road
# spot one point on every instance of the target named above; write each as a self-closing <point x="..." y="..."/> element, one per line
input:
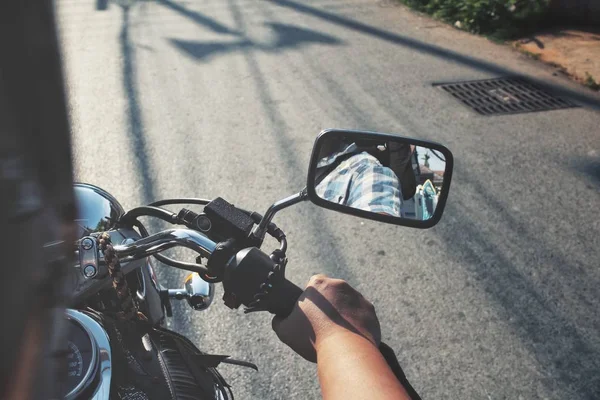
<point x="224" y="98"/>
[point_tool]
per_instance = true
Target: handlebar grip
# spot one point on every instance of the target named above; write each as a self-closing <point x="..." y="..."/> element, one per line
<point x="283" y="298"/>
<point x="245" y="279"/>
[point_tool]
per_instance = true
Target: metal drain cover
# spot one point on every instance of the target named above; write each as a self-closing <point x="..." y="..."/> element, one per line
<point x="504" y="96"/>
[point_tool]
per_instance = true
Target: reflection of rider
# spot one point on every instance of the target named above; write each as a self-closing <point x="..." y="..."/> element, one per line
<point x="386" y="168"/>
<point x="400" y="161"/>
<point x="359" y="181"/>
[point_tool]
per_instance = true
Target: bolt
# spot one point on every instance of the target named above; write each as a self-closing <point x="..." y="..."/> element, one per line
<point x="89" y="271"/>
<point x="87" y="243"/>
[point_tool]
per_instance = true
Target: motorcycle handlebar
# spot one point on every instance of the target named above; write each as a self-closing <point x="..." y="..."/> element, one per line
<point x="164" y="240"/>
<point x="246" y="273"/>
<point x="286" y="294"/>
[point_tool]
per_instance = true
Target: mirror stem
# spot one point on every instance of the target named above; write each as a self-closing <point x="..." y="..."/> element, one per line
<point x="260" y="230"/>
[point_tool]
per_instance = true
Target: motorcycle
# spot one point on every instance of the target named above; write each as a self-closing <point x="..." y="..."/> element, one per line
<point x="116" y="340"/>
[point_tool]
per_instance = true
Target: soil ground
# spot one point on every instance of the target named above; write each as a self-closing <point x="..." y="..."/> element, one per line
<point x="574" y="52"/>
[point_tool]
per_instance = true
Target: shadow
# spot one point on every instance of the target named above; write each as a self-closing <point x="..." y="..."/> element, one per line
<point x="291" y="37"/>
<point x="590" y="168"/>
<point x="145" y="47"/>
<point x="286" y="37"/>
<point x="203" y="51"/>
<point x="101" y="5"/>
<point x="312" y="295"/>
<point x="138" y="146"/>
<point x="565" y="353"/>
<point x="535" y="40"/>
<point x="562" y="351"/>
<point x="139" y="151"/>
<point x="590" y="32"/>
<point x="436" y="51"/>
<point x="351" y="303"/>
<point x="198" y="18"/>
<point x="333" y="259"/>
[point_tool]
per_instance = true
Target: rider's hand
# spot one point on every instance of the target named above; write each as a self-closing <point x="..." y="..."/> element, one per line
<point x="328" y="309"/>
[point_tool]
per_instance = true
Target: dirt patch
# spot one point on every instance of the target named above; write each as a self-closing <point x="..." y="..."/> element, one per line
<point x="574" y="52"/>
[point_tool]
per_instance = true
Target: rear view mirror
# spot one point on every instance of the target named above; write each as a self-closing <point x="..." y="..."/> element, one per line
<point x="380" y="176"/>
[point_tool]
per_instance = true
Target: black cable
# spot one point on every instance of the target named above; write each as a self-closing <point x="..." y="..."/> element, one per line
<point x="200" y="269"/>
<point x="153" y="210"/>
<point x="272" y="229"/>
<point x="201" y="202"/>
<point x="283" y="244"/>
<point x="142" y="228"/>
<point x="149" y="211"/>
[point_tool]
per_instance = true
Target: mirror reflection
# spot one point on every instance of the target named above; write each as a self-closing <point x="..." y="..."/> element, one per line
<point x="393" y="177"/>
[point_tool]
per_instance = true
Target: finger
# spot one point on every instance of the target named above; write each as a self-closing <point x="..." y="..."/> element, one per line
<point x="316" y="280"/>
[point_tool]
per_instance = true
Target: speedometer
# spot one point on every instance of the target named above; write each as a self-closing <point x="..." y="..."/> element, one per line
<point x="81" y="359"/>
<point x="74" y="363"/>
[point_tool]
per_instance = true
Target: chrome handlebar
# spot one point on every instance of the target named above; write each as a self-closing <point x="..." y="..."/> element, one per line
<point x="92" y="270"/>
<point x="164" y="240"/>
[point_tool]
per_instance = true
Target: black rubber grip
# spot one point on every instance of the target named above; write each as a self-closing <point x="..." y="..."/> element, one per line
<point x="245" y="279"/>
<point x="283" y="298"/>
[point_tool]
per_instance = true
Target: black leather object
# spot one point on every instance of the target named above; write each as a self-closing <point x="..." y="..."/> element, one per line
<point x="167" y="371"/>
<point x="400" y="161"/>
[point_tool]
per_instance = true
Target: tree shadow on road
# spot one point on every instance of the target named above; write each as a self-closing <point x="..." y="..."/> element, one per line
<point x="589" y="167"/>
<point x="286" y="37"/>
<point x="138" y="145"/>
<point x="569" y="358"/>
<point x="198" y="18"/>
<point x="436" y="51"/>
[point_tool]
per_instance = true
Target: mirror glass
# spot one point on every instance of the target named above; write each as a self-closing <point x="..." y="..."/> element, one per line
<point x="381" y="174"/>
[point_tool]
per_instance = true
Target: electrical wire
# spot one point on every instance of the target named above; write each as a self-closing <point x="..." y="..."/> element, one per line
<point x="149" y="211"/>
<point x="201" y="202"/>
<point x="154" y="210"/>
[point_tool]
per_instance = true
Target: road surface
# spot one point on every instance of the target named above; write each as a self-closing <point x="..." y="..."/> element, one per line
<point x="224" y="98"/>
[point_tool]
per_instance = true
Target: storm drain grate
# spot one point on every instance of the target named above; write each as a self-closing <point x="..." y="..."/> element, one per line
<point x="504" y="96"/>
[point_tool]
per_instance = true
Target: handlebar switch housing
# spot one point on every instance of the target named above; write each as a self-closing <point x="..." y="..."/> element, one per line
<point x="230" y="222"/>
<point x="253" y="279"/>
<point x="244" y="275"/>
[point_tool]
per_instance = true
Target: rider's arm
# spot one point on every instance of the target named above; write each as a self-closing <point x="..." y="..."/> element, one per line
<point x="337" y="327"/>
<point x="361" y="373"/>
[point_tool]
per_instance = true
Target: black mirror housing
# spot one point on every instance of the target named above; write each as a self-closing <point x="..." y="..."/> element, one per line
<point x="380" y="176"/>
